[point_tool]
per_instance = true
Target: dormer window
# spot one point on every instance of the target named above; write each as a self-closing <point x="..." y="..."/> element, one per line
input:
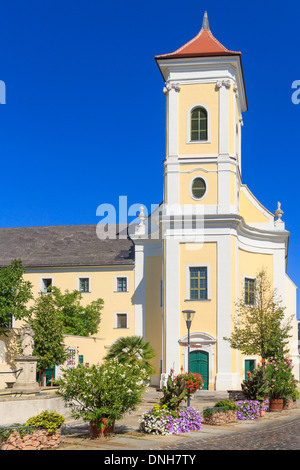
<point x="199" y="125"/>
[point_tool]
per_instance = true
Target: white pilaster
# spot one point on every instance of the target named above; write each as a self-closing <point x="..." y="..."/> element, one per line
<point x="172" y="304"/>
<point x="223" y="116"/>
<point x="223" y="165"/>
<point x="224" y="206"/>
<point x="140" y="291"/>
<point x="172" y="110"/>
<point x="225" y="380"/>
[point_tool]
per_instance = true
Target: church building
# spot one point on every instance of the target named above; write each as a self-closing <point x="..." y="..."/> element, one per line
<point x="199" y="251"/>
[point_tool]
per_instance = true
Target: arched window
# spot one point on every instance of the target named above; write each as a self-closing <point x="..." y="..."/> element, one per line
<point x="199" y="124"/>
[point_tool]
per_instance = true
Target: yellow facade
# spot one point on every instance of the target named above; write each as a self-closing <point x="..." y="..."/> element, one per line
<point x="102" y="285"/>
<point x="188" y="172"/>
<point x="154" y="301"/>
<point x="189" y="97"/>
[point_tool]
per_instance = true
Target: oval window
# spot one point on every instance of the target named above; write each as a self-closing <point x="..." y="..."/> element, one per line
<point x="198" y="188"/>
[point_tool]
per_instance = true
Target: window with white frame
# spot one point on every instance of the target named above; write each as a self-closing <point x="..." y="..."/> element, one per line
<point x="122" y="284"/>
<point x="84" y="284"/>
<point x="198" y="124"/>
<point x="121" y="320"/>
<point x="46" y="284"/>
<point x="198" y="282"/>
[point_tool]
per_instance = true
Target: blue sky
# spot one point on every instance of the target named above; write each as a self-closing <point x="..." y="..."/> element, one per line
<point x="84" y="95"/>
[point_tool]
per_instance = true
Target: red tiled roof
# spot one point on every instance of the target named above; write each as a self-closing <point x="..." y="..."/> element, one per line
<point x="204" y="44"/>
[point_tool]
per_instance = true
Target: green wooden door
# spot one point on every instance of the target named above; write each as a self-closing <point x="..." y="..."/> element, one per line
<point x="249" y="366"/>
<point x="199" y="364"/>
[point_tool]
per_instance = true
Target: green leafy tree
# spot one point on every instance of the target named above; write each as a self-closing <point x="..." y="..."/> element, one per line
<point x="261" y="329"/>
<point x="49" y="344"/>
<point x="132" y="349"/>
<point x="15" y="294"/>
<point x="102" y="391"/>
<point x="76" y="319"/>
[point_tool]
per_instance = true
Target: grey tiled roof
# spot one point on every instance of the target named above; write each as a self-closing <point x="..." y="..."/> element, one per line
<point x="63" y="245"/>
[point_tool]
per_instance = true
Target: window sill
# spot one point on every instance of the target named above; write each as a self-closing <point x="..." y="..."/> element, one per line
<point x="121" y="291"/>
<point x="125" y="328"/>
<point x="198" y="141"/>
<point x="197" y="300"/>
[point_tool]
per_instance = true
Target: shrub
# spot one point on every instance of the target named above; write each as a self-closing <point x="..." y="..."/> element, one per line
<point x="49" y="420"/>
<point x="226" y="405"/>
<point x="256" y="385"/>
<point x="102" y="391"/>
<point x="281" y="381"/>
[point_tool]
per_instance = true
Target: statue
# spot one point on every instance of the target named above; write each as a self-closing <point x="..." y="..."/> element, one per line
<point x="27" y="343"/>
<point x="26" y="364"/>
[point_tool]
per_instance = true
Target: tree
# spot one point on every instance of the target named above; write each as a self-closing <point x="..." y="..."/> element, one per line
<point x="132" y="349"/>
<point x="261" y="328"/>
<point x="49" y="344"/>
<point x="76" y="319"/>
<point x="15" y="293"/>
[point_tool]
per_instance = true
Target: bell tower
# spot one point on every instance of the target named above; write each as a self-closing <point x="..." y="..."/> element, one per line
<point x="205" y="99"/>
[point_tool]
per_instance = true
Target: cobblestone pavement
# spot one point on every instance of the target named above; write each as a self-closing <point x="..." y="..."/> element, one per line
<point x="277" y="436"/>
<point x="275" y="431"/>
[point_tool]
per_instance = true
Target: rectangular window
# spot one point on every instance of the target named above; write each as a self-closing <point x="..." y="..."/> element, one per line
<point x="198" y="283"/>
<point x="46" y="285"/>
<point x="249" y="291"/>
<point x="122" y="320"/>
<point x="84" y="284"/>
<point x="121" y="284"/>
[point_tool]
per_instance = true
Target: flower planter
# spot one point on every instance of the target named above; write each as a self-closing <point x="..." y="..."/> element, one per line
<point x="100" y="428"/>
<point x="276" y="404"/>
<point x="218" y="418"/>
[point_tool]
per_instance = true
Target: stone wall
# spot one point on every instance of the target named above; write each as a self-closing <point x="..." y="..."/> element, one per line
<point x="18" y="409"/>
<point x="39" y="439"/>
<point x="220" y="417"/>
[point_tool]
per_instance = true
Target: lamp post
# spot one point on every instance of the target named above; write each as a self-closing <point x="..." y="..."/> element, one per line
<point x="188" y="316"/>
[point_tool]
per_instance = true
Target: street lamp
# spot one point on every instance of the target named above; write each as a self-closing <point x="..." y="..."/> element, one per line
<point x="188" y="316"/>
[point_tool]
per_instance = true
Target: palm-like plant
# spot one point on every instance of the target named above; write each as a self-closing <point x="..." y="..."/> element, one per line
<point x="132" y="349"/>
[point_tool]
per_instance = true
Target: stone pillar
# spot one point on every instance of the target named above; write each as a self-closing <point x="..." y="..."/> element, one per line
<point x="26" y="377"/>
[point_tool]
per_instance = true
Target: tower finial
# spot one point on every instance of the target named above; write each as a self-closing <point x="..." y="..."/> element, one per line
<point x="205" y="23"/>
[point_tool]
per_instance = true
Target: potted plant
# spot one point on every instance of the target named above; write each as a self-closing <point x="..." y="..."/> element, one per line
<point x="102" y="393"/>
<point x="281" y="382"/>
